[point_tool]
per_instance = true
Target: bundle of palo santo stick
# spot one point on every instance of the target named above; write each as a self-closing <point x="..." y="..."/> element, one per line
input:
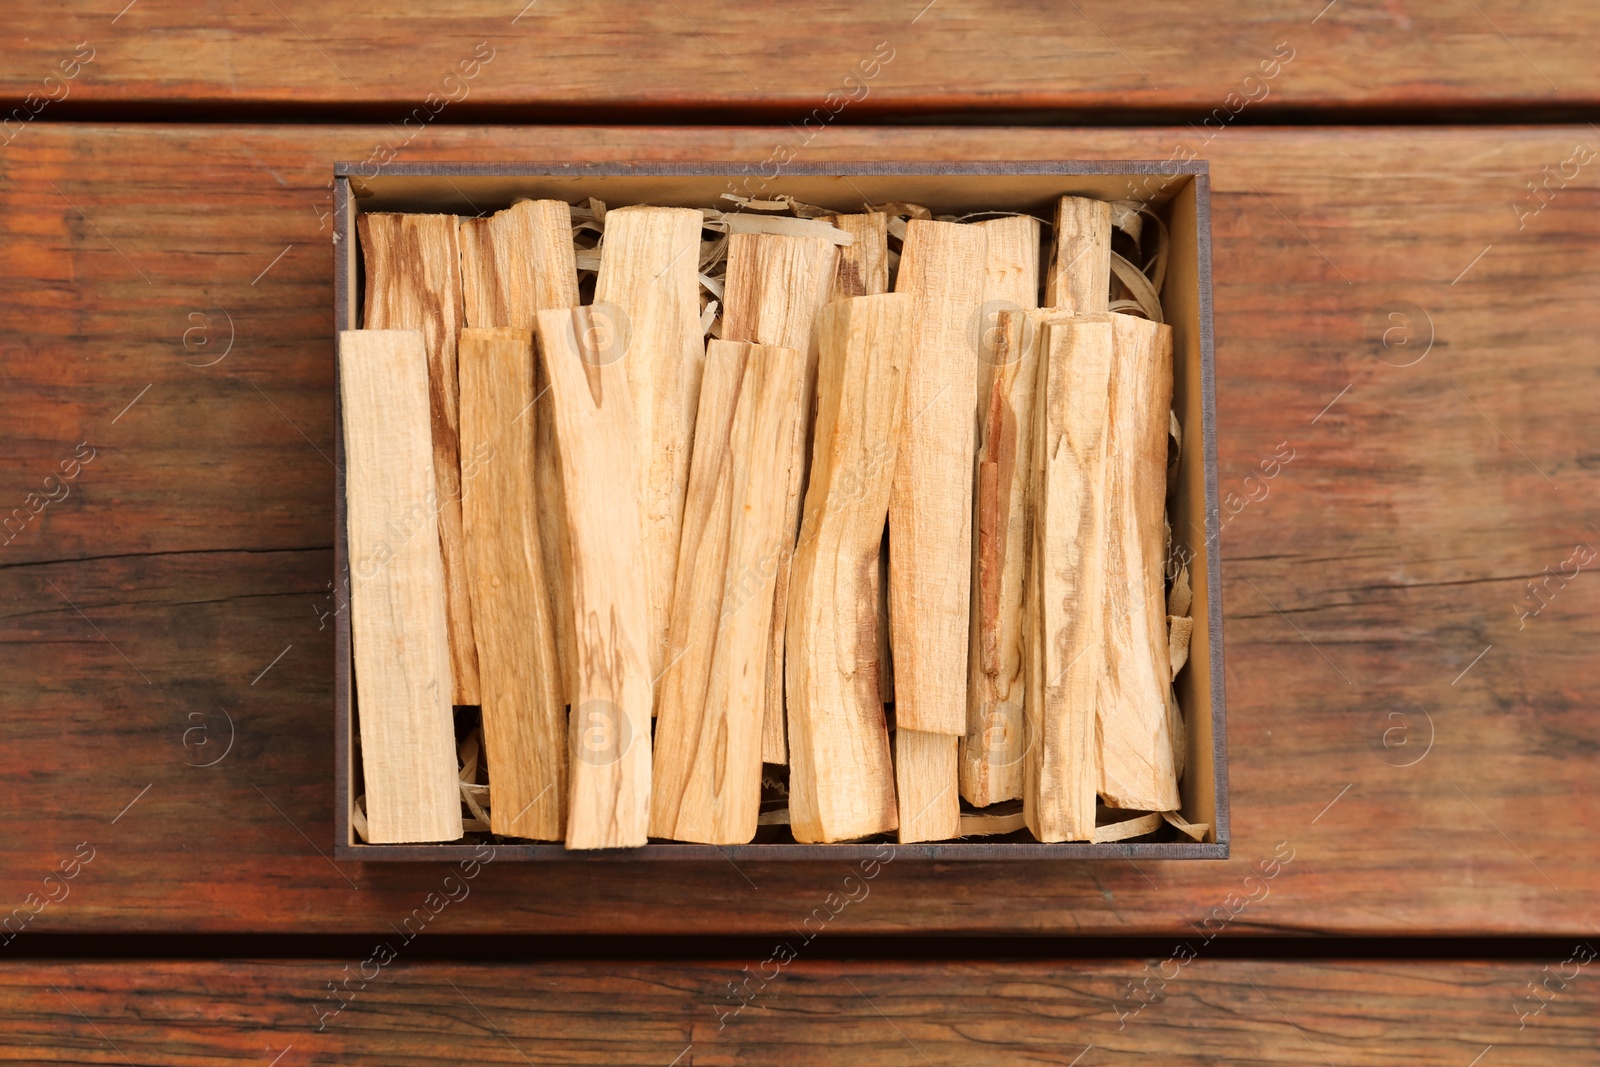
<point x="664" y="492"/>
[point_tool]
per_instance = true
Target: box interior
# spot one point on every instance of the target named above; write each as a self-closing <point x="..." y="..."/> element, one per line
<point x="1174" y="197"/>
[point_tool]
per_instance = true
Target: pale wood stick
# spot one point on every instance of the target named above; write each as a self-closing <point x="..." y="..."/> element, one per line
<point x="841" y="782"/>
<point x="992" y="750"/>
<point x="775" y="285"/>
<point x="925" y="778"/>
<point x="707" y="778"/>
<point x="413" y="267"/>
<point x="397" y="609"/>
<point x="864" y="264"/>
<point x="609" y="779"/>
<point x="1080" y="269"/>
<point x="524" y="709"/>
<point x="1070" y="550"/>
<point x="514" y="263"/>
<point x="864" y="271"/>
<point x="1135" y="735"/>
<point x="930" y="510"/>
<point x="647" y="314"/>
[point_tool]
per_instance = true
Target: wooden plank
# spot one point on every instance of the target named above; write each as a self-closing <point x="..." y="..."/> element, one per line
<point x="196" y="541"/>
<point x="1133" y="733"/>
<point x="422" y="67"/>
<point x="776" y="285"/>
<point x="413" y="276"/>
<point x="610" y="771"/>
<point x="524" y="706"/>
<point x="784" y="1005"/>
<point x="840" y="784"/>
<point x="648" y="291"/>
<point x="402" y="653"/>
<point x="514" y="263"/>
<point x="707" y="774"/>
<point x="930" y="512"/>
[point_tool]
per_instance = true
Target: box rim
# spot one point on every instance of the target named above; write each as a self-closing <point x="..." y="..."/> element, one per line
<point x="344" y="848"/>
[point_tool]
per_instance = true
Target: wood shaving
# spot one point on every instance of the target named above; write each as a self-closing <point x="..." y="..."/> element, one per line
<point x="1196" y="830"/>
<point x="1139" y="286"/>
<point x="1179" y="629"/>
<point x="777" y="817"/>
<point x="1122" y="831"/>
<point x="358" y="816"/>
<point x="788" y="227"/>
<point x="986" y="825"/>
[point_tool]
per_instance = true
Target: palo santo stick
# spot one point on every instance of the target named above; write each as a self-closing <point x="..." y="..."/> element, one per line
<point x="609" y="791"/>
<point x="864" y="271"/>
<point x="647" y="311"/>
<point x="414" y="283"/>
<point x="841" y="784"/>
<point x="397" y="610"/>
<point x="930" y="510"/>
<point x="1070" y="557"/>
<point x="1136" y="762"/>
<point x="524" y="710"/>
<point x="775" y="286"/>
<point x="992" y="750"/>
<point x="514" y="263"/>
<point x="925" y="778"/>
<point x="864" y="264"/>
<point x="707" y="777"/>
<point x="1080" y="270"/>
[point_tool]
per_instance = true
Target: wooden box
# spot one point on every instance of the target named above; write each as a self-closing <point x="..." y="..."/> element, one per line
<point x="1177" y="192"/>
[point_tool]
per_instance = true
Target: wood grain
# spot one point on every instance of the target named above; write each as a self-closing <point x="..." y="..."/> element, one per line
<point x="1071" y="559"/>
<point x="707" y="772"/>
<point x="397" y="597"/>
<point x="647" y="306"/>
<point x="840" y="779"/>
<point x="776" y="286"/>
<point x="421" y="65"/>
<point x="1132" y="731"/>
<point x="524" y="706"/>
<point x="514" y="263"/>
<point x="196" y="544"/>
<point x="609" y="775"/>
<point x="783" y="1010"/>
<point x="930" y="512"/>
<point x="413" y="270"/>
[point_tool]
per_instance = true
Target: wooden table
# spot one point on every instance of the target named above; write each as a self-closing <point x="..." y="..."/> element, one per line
<point x="1411" y="678"/>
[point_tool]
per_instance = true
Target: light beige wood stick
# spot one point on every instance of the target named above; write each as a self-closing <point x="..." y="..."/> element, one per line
<point x="708" y="736"/>
<point x="397" y="609"/>
<point x="1080" y="270"/>
<point x="864" y="271"/>
<point x="1135" y="735"/>
<point x="864" y="263"/>
<point x="1071" y="554"/>
<point x="647" y="316"/>
<point x="775" y="285"/>
<point x="992" y="750"/>
<point x="413" y="270"/>
<point x="609" y="772"/>
<point x="514" y="263"/>
<point x="524" y="708"/>
<point x="841" y="781"/>
<point x="925" y="777"/>
<point x="930" y="510"/>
